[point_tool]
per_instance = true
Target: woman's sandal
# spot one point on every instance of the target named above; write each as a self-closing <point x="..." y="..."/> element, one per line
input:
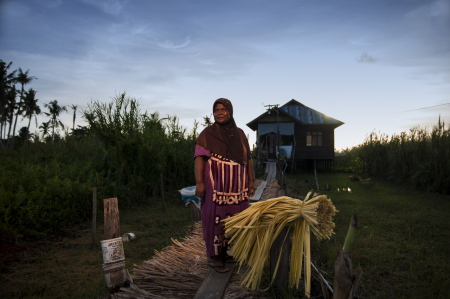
<point x="216" y="268"/>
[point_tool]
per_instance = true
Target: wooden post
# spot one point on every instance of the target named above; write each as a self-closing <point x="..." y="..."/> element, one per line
<point x="94" y="216"/>
<point x="162" y="192"/>
<point x="317" y="179"/>
<point x="196" y="214"/>
<point x="111" y="220"/>
<point x="282" y="276"/>
<point x="112" y="231"/>
<point x="293" y="186"/>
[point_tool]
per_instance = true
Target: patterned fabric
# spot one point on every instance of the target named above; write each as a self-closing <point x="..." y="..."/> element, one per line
<point x="226" y="194"/>
<point x="225" y="175"/>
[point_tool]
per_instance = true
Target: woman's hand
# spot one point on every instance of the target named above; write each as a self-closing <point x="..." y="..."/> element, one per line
<point x="200" y="189"/>
<point x="251" y="188"/>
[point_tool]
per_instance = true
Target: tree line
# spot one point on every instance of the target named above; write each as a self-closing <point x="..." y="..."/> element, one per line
<point x="16" y="101"/>
<point x="46" y="183"/>
<point x="418" y="158"/>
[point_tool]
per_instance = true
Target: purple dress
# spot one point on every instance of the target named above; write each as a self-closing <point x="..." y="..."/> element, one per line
<point x="226" y="194"/>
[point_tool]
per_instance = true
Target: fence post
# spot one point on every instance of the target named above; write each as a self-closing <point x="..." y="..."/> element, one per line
<point x="111" y="221"/>
<point x="317" y="179"/>
<point x="162" y="192"/>
<point x="94" y="216"/>
<point x="112" y="231"/>
<point x="282" y="276"/>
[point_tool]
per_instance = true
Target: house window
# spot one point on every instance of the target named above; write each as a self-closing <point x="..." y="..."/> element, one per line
<point x="313" y="138"/>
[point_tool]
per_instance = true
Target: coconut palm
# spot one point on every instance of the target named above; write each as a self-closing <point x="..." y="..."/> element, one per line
<point x="30" y="107"/>
<point x="6" y="82"/>
<point x="8" y="113"/>
<point x="74" y="108"/>
<point x="23" y="79"/>
<point x="44" y="129"/>
<point x="54" y="112"/>
<point x="11" y="96"/>
<point x="24" y="135"/>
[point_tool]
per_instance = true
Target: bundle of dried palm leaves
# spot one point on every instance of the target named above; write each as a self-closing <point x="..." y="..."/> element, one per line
<point x="254" y="230"/>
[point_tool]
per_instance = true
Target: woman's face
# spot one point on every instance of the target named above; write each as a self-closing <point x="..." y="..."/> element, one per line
<point x="221" y="114"/>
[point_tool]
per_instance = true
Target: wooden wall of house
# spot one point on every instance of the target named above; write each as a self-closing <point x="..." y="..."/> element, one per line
<point x="326" y="151"/>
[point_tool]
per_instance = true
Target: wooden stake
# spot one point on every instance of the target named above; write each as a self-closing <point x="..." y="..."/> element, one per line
<point x="282" y="276"/>
<point x="162" y="192"/>
<point x="112" y="231"/>
<point x="111" y="220"/>
<point x="317" y="179"/>
<point x="94" y="216"/>
<point x="196" y="213"/>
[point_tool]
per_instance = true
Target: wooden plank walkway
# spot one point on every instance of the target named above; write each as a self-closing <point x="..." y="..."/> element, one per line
<point x="258" y="192"/>
<point x="214" y="285"/>
<point x="271" y="168"/>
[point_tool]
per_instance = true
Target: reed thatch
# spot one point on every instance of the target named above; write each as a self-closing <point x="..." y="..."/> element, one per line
<point x="178" y="271"/>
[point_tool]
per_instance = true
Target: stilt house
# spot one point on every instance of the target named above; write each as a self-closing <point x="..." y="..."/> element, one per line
<point x="305" y="135"/>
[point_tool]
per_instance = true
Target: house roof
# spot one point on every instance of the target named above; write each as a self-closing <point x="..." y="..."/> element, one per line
<point x="300" y="113"/>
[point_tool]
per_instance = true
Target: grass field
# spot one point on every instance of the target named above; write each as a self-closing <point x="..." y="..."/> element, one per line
<point x="66" y="266"/>
<point x="403" y="237"/>
<point x="401" y="243"/>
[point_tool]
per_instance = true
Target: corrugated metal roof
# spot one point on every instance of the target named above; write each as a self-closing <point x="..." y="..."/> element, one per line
<point x="301" y="113"/>
<point x="307" y="115"/>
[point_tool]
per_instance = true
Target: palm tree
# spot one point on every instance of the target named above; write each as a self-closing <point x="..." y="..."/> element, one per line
<point x="44" y="129"/>
<point x="24" y="135"/>
<point x="74" y="108"/>
<point x="54" y="112"/>
<point x="8" y="113"/>
<point x="6" y="82"/>
<point x="11" y="96"/>
<point x="30" y="107"/>
<point x="23" y="79"/>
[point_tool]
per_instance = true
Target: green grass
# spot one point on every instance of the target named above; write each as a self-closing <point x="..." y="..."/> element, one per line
<point x="401" y="244"/>
<point x="402" y="239"/>
<point x="66" y="267"/>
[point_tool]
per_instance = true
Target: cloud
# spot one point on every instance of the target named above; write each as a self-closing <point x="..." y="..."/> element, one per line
<point x="14" y="9"/>
<point x="171" y="46"/>
<point x="50" y="4"/>
<point x="366" y="58"/>
<point x="113" y="7"/>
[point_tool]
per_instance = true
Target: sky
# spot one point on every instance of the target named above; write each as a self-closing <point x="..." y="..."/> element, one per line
<point x="376" y="65"/>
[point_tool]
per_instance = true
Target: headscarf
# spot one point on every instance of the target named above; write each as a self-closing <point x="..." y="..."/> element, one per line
<point x="226" y="139"/>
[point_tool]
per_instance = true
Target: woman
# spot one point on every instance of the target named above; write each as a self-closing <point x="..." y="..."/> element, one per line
<point x="224" y="175"/>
